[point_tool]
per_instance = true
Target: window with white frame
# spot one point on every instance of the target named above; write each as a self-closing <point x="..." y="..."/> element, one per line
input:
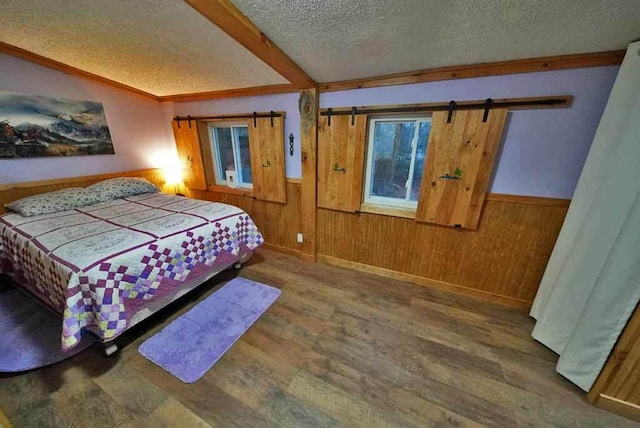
<point x="396" y="153"/>
<point x="230" y="144"/>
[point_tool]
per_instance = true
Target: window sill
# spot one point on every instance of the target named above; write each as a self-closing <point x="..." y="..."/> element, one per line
<point x="389" y="211"/>
<point x="242" y="191"/>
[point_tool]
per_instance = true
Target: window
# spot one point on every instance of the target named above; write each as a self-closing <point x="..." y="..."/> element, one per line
<point x="230" y="144"/>
<point x="395" y="161"/>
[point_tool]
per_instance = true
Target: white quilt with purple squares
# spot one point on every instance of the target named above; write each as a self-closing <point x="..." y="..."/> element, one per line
<point x="99" y="265"/>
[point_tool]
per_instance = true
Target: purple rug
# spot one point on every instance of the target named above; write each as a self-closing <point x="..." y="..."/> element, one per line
<point x="189" y="346"/>
<point x="30" y="334"/>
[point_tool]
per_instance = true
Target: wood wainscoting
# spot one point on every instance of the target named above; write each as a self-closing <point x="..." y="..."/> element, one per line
<point x="278" y="222"/>
<point x="503" y="259"/>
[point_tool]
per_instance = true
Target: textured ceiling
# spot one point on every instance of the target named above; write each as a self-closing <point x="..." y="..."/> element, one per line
<point x="163" y="47"/>
<point x="346" y="39"/>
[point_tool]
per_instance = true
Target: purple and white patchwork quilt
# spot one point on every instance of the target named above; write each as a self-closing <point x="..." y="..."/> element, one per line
<point x="99" y="265"/>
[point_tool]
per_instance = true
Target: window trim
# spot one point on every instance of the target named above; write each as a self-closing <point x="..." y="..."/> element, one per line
<point x="382" y="201"/>
<point x="220" y="178"/>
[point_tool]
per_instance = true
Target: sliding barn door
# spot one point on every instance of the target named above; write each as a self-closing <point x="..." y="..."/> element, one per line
<point x="188" y="144"/>
<point x="459" y="161"/>
<point x="341" y="162"/>
<point x="267" y="159"/>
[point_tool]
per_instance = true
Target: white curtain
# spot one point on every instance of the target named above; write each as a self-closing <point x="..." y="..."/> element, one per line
<point x="592" y="283"/>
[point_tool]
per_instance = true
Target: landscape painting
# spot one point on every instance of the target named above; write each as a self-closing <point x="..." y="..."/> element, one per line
<point x="33" y="126"/>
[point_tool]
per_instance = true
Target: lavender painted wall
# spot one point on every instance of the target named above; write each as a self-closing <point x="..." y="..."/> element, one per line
<point x="543" y="151"/>
<point x="137" y="125"/>
<point x="281" y="102"/>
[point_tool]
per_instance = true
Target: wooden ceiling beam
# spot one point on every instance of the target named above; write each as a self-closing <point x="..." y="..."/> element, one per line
<point x="226" y="16"/>
<point x="549" y="63"/>
<point x="56" y="65"/>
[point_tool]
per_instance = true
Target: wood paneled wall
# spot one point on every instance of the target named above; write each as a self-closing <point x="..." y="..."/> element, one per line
<point x="14" y="191"/>
<point x="505" y="256"/>
<point x="617" y="389"/>
<point x="279" y="223"/>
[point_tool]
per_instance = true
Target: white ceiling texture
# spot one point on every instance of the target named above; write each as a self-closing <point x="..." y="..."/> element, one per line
<point x="165" y="47"/>
<point x="348" y="39"/>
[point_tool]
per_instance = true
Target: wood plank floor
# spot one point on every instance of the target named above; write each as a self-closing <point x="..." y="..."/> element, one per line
<point x="339" y="348"/>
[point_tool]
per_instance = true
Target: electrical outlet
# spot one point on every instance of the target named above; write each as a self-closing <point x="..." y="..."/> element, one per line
<point x="300" y="239"/>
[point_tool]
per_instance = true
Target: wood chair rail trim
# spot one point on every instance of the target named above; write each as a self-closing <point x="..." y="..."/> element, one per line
<point x="516" y="199"/>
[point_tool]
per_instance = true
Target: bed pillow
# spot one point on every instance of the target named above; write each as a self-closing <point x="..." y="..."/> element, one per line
<point x="121" y="187"/>
<point x="52" y="202"/>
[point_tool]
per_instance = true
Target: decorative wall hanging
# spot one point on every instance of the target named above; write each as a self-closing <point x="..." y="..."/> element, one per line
<point x="307" y="107"/>
<point x="291" y="144"/>
<point x="34" y="126"/>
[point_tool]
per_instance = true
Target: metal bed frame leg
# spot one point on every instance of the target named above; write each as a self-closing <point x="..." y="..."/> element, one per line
<point x="110" y="348"/>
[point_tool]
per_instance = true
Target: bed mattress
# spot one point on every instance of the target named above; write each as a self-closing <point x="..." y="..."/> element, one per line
<point x="100" y="265"/>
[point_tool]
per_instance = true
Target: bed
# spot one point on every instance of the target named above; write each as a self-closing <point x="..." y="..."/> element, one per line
<point x="108" y="266"/>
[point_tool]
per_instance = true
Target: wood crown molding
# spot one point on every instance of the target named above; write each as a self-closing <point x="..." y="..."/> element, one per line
<point x="562" y="62"/>
<point x="196" y="96"/>
<point x="549" y="63"/>
<point x="56" y="65"/>
<point x="231" y="93"/>
<point x="226" y="16"/>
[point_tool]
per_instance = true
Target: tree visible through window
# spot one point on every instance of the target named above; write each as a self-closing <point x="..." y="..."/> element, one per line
<point x="230" y="143"/>
<point x="395" y="160"/>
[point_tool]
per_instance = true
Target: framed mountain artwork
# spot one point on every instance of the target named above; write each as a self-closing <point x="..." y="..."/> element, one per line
<point x="33" y="126"/>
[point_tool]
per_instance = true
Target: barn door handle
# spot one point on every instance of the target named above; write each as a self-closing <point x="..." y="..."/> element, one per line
<point x="337" y="168"/>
